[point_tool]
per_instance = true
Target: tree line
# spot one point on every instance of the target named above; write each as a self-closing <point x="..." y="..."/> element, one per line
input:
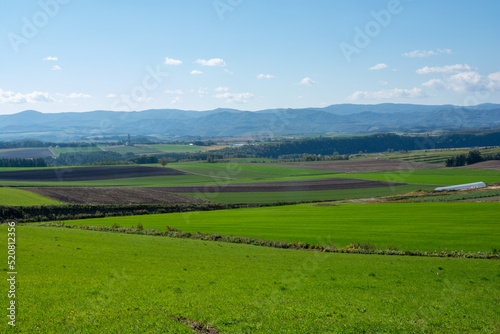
<point x="37" y="162"/>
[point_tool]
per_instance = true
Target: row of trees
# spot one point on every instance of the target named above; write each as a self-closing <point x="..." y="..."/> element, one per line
<point x="471" y="158"/>
<point x="38" y="162"/>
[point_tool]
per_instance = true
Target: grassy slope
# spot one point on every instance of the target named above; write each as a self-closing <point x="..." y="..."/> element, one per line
<point x="415" y="226"/>
<point x="297" y="196"/>
<point x="17" y="197"/>
<point x="89" y="282"/>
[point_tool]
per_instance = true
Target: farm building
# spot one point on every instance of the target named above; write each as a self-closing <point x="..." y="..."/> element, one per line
<point x="462" y="186"/>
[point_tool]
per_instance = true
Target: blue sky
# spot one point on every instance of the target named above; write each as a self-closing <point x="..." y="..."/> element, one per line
<point x="75" y="55"/>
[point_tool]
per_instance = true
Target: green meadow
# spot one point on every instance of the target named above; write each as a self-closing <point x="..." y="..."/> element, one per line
<point x="414" y="226"/>
<point x="74" y="281"/>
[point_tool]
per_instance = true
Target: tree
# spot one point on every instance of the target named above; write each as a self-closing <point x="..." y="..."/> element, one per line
<point x="474" y="157"/>
<point x="163" y="161"/>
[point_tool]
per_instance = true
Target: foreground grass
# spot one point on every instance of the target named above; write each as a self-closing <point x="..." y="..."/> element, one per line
<point x="414" y="226"/>
<point x="76" y="281"/>
<point x="17" y="197"/>
<point x="304" y="196"/>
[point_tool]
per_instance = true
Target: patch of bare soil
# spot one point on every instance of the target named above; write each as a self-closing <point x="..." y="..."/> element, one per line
<point x="305" y="185"/>
<point x="358" y="166"/>
<point x="87" y="173"/>
<point x="491" y="164"/>
<point x="113" y="195"/>
<point x="198" y="327"/>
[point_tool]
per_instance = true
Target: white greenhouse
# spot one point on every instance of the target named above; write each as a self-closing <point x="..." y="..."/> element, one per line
<point x="462" y="186"/>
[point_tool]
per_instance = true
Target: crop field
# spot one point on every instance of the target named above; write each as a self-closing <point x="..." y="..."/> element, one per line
<point x="25" y="153"/>
<point x="415" y="226"/>
<point x="298" y="196"/>
<point x="17" y="197"/>
<point x="177" y="148"/>
<point x="431" y="156"/>
<point x="443" y="176"/>
<point x="491" y="164"/>
<point x="232" y="171"/>
<point x="113" y="195"/>
<point x="58" y="150"/>
<point x="154" y="148"/>
<point x="77" y="281"/>
<point x="228" y="193"/>
<point x="357" y="166"/>
<point x="86" y="173"/>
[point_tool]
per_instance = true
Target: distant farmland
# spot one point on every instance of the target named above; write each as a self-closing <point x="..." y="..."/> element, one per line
<point x="26" y="153"/>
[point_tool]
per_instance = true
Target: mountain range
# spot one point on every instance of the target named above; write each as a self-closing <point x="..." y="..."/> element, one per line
<point x="174" y="123"/>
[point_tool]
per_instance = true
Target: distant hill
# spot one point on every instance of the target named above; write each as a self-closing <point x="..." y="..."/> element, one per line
<point x="173" y="123"/>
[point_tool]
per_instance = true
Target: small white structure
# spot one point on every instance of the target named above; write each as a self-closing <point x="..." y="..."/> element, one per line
<point x="462" y="186"/>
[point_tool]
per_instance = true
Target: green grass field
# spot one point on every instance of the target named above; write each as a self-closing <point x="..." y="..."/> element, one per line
<point x="298" y="196"/>
<point x="18" y="197"/>
<point x="414" y="226"/>
<point x="73" y="281"/>
<point x="233" y="171"/>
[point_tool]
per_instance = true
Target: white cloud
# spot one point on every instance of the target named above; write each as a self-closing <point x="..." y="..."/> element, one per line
<point x="383" y="83"/>
<point x="265" y="76"/>
<point x="34" y="97"/>
<point x="211" y="62"/>
<point x="170" y="61"/>
<point x="111" y="95"/>
<point x="466" y="82"/>
<point x="379" y="67"/>
<point x="228" y="71"/>
<point x="176" y="99"/>
<point x="494" y="76"/>
<point x="425" y="54"/>
<point x="56" y="68"/>
<point x="77" y="96"/>
<point x="51" y="58"/>
<point x="386" y="94"/>
<point x="434" y="83"/>
<point x="222" y="89"/>
<point x="144" y="99"/>
<point x="196" y="72"/>
<point x="174" y="92"/>
<point x="202" y="91"/>
<point x="444" y="69"/>
<point x="307" y="82"/>
<point x="237" y="98"/>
